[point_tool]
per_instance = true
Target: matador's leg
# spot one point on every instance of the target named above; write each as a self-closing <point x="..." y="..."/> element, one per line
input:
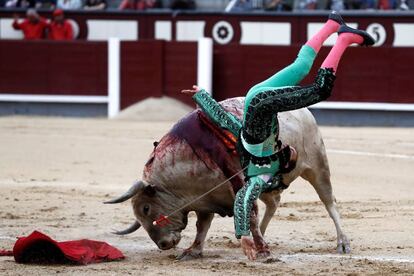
<point x="299" y="69"/>
<point x="244" y="202"/>
<point x="265" y="104"/>
<point x="260" y="124"/>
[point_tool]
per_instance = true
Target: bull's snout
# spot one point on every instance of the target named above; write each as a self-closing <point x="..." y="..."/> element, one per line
<point x="165" y="244"/>
<point x="169" y="241"/>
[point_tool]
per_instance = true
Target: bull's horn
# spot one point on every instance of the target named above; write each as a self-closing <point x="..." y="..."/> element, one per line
<point x="134" y="227"/>
<point x="130" y="193"/>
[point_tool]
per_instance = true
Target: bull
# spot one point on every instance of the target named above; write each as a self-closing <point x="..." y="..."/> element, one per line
<point x="191" y="159"/>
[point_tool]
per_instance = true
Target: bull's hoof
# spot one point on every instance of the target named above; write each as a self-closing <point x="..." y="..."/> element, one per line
<point x="188" y="255"/>
<point x="344" y="247"/>
<point x="263" y="254"/>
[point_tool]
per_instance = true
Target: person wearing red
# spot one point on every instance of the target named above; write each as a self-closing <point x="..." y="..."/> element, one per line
<point x="137" y="4"/>
<point x="60" y="28"/>
<point x="33" y="27"/>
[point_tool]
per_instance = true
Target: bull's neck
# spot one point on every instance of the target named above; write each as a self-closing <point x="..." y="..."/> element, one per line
<point x="209" y="204"/>
<point x="194" y="195"/>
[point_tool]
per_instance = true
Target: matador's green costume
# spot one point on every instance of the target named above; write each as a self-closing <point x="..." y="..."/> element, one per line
<point x="258" y="145"/>
<point x="258" y="134"/>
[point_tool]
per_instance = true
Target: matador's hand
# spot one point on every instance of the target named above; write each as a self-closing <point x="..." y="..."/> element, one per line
<point x="248" y="247"/>
<point x="191" y="92"/>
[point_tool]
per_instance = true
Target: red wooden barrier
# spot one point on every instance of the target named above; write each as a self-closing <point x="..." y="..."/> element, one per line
<point x="141" y="71"/>
<point x="180" y="69"/>
<point x="364" y="74"/>
<point x="47" y="67"/>
<point x="156" y="68"/>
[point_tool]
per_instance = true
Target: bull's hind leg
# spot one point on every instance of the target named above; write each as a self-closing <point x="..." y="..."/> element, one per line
<point x="196" y="249"/>
<point x="320" y="180"/>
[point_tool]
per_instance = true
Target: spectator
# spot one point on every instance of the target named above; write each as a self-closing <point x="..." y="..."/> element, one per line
<point x="33" y="26"/>
<point x="306" y="4"/>
<point x="368" y="4"/>
<point x="406" y="5"/>
<point x="60" y="28"/>
<point x="353" y="4"/>
<point x="278" y="5"/>
<point x="95" y="5"/>
<point x="139" y="4"/>
<point x="69" y="4"/>
<point x="20" y="4"/>
<point x="183" y="5"/>
<point x="240" y="5"/>
<point x="336" y="5"/>
<point x="46" y="4"/>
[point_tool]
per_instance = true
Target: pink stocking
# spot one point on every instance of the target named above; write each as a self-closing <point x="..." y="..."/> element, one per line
<point x="343" y="41"/>
<point x="317" y="40"/>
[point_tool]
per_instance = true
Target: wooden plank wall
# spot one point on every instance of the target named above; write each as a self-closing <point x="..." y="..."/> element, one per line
<point x="47" y="67"/>
<point x="379" y="74"/>
<point x="157" y="68"/>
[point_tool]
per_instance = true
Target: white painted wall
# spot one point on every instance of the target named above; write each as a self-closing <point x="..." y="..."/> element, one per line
<point x="189" y="30"/>
<point x="105" y="29"/>
<point x="265" y="33"/>
<point x="403" y="35"/>
<point x="7" y="31"/>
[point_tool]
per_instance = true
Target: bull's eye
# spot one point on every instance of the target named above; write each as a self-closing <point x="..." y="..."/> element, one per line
<point x="146" y="209"/>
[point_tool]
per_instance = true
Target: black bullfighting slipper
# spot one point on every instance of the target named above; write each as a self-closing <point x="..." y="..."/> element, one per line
<point x="335" y="16"/>
<point x="368" y="39"/>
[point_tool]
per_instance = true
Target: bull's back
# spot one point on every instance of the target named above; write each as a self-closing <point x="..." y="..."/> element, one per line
<point x="293" y="124"/>
<point x="298" y="128"/>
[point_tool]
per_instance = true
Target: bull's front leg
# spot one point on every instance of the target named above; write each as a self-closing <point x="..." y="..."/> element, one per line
<point x="262" y="248"/>
<point x="196" y="249"/>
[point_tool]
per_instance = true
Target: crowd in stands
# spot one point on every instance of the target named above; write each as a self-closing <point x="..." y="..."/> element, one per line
<point x="57" y="4"/>
<point x="338" y="5"/>
<point x="232" y="5"/>
<point x="99" y="4"/>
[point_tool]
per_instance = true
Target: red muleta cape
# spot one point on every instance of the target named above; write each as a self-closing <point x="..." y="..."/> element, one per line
<point x="39" y="248"/>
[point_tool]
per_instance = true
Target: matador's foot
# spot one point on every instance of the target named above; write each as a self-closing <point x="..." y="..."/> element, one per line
<point x="368" y="40"/>
<point x="335" y="16"/>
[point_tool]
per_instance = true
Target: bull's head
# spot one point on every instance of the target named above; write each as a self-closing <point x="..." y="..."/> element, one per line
<point x="150" y="202"/>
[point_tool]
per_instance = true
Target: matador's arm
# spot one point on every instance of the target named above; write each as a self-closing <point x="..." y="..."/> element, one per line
<point x="243" y="204"/>
<point x="216" y="113"/>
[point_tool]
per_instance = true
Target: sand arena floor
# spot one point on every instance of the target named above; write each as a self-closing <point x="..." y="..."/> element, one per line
<point x="54" y="174"/>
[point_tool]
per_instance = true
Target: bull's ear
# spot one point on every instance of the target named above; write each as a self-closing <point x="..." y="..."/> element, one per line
<point x="150" y="190"/>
